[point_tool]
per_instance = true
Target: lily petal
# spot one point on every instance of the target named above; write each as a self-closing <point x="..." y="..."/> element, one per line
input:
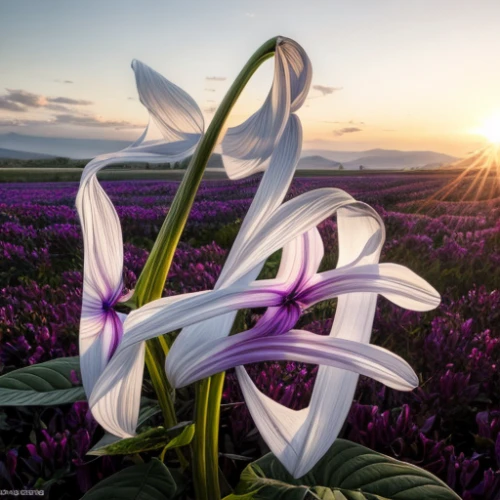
<point x="102" y="271"/>
<point x="117" y="410"/>
<point x="299" y="345"/>
<point x="397" y="283"/>
<point x="175" y="112"/>
<point x="289" y="221"/>
<point x="269" y="196"/>
<point x="248" y="146"/>
<point x="301" y="259"/>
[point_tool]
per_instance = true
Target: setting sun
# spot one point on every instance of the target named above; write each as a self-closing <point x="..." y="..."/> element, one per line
<point x="491" y="129"/>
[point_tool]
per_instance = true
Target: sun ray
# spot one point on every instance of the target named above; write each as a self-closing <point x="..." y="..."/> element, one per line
<point x="478" y="179"/>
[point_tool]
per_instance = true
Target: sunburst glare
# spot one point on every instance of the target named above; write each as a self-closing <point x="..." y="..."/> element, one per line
<point x="491" y="129"/>
<point x="478" y="176"/>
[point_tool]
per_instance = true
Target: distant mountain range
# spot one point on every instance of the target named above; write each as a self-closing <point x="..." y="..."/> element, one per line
<point x="25" y="147"/>
<point x="59" y="146"/>
<point x="382" y="158"/>
<point x="22" y="155"/>
<point x="317" y="162"/>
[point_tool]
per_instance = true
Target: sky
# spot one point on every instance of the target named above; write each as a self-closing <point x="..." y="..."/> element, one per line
<point x="389" y="74"/>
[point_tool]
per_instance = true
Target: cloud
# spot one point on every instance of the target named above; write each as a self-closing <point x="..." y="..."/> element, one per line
<point x="210" y="110"/>
<point x="210" y="90"/>
<point x="216" y="78"/>
<point x="249" y="14"/>
<point x="58" y="107"/>
<point x="10" y="106"/>
<point x="14" y="122"/>
<point x="64" y="81"/>
<point x="350" y="122"/>
<point x="92" y="121"/>
<point x="19" y="100"/>
<point x="25" y="98"/>
<point x="326" y="90"/>
<point x="346" y="130"/>
<point x="210" y="100"/>
<point x="67" y="100"/>
<point x="131" y="98"/>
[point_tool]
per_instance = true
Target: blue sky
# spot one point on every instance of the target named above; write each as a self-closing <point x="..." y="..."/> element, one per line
<point x="408" y="75"/>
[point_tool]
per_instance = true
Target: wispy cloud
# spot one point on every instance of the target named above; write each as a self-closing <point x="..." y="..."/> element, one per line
<point x="346" y="130"/>
<point x="249" y="14"/>
<point x="350" y="122"/>
<point x="64" y="81"/>
<point x="92" y="121"/>
<point x="210" y="90"/>
<point x="25" y="98"/>
<point x="67" y="100"/>
<point x="13" y="122"/>
<point x="216" y="78"/>
<point x="210" y="110"/>
<point x="19" y="100"/>
<point x="11" y="106"/>
<point x="326" y="90"/>
<point x="60" y="108"/>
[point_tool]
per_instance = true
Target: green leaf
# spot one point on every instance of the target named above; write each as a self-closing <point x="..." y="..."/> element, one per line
<point x="145" y="413"/>
<point x="44" y="384"/>
<point x="149" y="481"/>
<point x="152" y="439"/>
<point x="348" y="471"/>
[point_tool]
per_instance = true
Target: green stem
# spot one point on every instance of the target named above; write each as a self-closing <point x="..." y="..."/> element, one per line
<point x="155" y="361"/>
<point x="212" y="434"/>
<point x="199" y="441"/>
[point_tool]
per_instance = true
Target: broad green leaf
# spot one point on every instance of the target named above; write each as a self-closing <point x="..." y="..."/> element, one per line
<point x="348" y="471"/>
<point x="149" y="481"/>
<point x="152" y="439"/>
<point x="44" y="384"/>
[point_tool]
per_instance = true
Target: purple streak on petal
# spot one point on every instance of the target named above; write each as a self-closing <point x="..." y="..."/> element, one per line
<point x="297" y="345"/>
<point x="116" y="331"/>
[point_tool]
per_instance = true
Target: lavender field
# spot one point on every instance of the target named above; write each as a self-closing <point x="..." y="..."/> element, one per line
<point x="450" y="425"/>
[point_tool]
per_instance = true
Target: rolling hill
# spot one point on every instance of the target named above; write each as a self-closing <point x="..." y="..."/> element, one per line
<point x="13" y="154"/>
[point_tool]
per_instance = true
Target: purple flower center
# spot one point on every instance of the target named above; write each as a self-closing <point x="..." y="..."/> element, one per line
<point x="107" y="305"/>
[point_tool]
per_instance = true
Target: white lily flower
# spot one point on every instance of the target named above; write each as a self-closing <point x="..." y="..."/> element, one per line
<point x="267" y="227"/>
<point x="246" y="149"/>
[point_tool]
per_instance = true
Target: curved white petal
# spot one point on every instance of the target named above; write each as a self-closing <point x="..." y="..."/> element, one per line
<point x="174" y="111"/>
<point x="248" y="146"/>
<point x="117" y="407"/>
<point x="290" y="220"/>
<point x="397" y="283"/>
<point x="102" y="277"/>
<point x="361" y="234"/>
<point x="301" y="259"/>
<point x="298" y="345"/>
<point x="99" y="335"/>
<point x="271" y="192"/>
